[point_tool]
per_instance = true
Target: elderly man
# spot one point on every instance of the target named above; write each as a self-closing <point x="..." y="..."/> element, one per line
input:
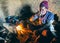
<point x="45" y="16"/>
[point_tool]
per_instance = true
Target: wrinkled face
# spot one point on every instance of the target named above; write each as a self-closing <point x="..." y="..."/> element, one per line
<point x="43" y="10"/>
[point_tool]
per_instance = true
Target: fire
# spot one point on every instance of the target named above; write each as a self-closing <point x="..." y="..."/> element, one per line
<point x="22" y="33"/>
<point x="20" y="29"/>
<point x="36" y="22"/>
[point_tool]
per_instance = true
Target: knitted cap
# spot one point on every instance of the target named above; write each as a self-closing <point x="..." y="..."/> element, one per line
<point x="44" y="4"/>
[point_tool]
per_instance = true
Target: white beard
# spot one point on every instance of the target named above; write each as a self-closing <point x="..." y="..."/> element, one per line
<point x="42" y="13"/>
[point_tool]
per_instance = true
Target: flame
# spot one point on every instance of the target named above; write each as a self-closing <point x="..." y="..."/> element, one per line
<point x="22" y="33"/>
<point x="20" y="29"/>
<point x="36" y="22"/>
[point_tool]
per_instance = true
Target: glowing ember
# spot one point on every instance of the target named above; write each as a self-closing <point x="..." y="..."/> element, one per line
<point x="44" y="32"/>
<point x="31" y="19"/>
<point x="19" y="27"/>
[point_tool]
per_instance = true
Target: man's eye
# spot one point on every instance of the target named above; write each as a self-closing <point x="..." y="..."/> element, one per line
<point x="42" y="9"/>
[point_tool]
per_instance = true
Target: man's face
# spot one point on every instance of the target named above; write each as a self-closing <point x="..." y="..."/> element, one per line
<point x="43" y="10"/>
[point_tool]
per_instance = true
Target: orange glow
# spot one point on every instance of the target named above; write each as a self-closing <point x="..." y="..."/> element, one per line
<point x="31" y="18"/>
<point x="44" y="32"/>
<point x="22" y="33"/>
<point x="36" y="22"/>
<point x="20" y="29"/>
<point x="40" y="21"/>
